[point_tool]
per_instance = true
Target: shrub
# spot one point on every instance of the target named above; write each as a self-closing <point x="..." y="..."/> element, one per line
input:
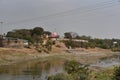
<point x="116" y="74"/>
<point x="75" y="71"/>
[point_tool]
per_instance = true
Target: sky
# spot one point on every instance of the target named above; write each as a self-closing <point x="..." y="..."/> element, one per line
<point x="96" y="18"/>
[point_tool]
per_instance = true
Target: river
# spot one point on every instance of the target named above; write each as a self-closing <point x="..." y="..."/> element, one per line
<point x="108" y="62"/>
<point x="41" y="69"/>
<point x="32" y="70"/>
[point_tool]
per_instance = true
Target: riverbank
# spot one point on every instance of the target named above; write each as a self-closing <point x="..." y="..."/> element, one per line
<point x="87" y="56"/>
<point x="11" y="55"/>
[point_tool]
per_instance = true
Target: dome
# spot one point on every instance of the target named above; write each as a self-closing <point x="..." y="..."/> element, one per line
<point x="54" y="34"/>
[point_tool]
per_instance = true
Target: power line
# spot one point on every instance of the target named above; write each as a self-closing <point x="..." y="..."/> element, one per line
<point x="96" y="6"/>
<point x="57" y="13"/>
<point x="90" y="10"/>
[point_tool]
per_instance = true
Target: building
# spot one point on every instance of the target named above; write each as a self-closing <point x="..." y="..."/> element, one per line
<point x="12" y="42"/>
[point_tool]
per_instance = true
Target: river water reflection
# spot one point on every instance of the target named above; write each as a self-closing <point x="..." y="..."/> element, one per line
<point x="108" y="62"/>
<point x="32" y="70"/>
<point x="41" y="69"/>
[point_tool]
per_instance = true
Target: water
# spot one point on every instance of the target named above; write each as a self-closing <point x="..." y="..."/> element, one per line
<point x="108" y="62"/>
<point x="35" y="70"/>
<point x="41" y="69"/>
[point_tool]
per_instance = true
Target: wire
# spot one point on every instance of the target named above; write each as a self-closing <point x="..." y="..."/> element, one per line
<point x="90" y="10"/>
<point x="96" y="6"/>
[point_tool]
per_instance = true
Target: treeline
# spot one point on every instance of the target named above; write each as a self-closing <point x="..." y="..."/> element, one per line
<point x="36" y="34"/>
<point x="113" y="44"/>
<point x="32" y="35"/>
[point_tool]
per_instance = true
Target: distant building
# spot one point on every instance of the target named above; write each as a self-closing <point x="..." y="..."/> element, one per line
<point x="73" y="34"/>
<point x="77" y="40"/>
<point x="12" y="42"/>
<point x="54" y="35"/>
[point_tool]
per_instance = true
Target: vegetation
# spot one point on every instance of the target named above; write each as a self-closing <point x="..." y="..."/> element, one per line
<point x="74" y="44"/>
<point x="34" y="35"/>
<point x="70" y="35"/>
<point x="101" y="75"/>
<point x="75" y="71"/>
<point x="110" y="74"/>
<point x="60" y="76"/>
<point x="113" y="44"/>
<point x="116" y="74"/>
<point x="49" y="45"/>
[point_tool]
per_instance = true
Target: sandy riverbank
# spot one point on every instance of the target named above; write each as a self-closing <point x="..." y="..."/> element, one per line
<point x="12" y="55"/>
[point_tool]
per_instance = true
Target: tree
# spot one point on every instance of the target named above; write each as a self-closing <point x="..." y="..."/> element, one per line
<point x="21" y="33"/>
<point x="47" y="32"/>
<point x="38" y="31"/>
<point x="70" y="35"/>
<point x="32" y="35"/>
<point x="10" y="34"/>
<point x="67" y="35"/>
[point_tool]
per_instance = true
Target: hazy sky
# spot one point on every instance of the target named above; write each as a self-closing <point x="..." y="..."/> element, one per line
<point x="97" y="18"/>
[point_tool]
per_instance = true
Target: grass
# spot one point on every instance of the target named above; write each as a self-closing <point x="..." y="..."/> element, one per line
<point x="102" y="74"/>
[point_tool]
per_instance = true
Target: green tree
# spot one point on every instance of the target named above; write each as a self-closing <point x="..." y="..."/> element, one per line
<point x="84" y="37"/>
<point x="68" y="35"/>
<point x="21" y="33"/>
<point x="47" y="33"/>
<point x="38" y="31"/>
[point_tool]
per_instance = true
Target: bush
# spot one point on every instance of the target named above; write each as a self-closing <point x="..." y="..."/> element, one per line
<point x="116" y="74"/>
<point x="49" y="45"/>
<point x="75" y="71"/>
<point x="116" y="49"/>
<point x="75" y="44"/>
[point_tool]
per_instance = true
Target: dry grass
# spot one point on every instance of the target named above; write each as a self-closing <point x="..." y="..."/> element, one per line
<point x="12" y="55"/>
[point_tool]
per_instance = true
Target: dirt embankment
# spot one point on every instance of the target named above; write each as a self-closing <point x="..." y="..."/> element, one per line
<point x="12" y="55"/>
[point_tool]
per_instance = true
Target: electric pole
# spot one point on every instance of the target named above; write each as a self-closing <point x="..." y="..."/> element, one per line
<point x="1" y="30"/>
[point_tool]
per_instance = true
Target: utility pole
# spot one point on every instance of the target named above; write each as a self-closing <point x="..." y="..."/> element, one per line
<point x="1" y="30"/>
